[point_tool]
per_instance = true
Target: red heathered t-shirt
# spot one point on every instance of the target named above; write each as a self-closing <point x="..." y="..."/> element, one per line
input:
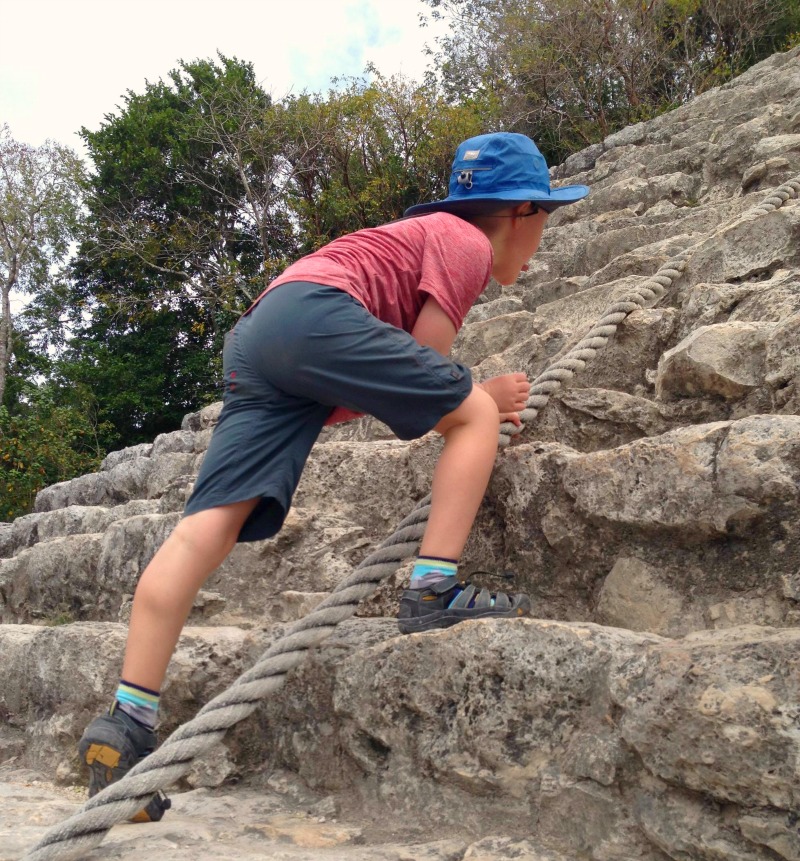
<point x="392" y="269"/>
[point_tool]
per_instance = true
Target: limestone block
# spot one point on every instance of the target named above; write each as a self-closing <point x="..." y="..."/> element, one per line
<point x="636" y="346"/>
<point x="54" y="680"/>
<point x="778" y="145"/>
<point x="717" y="713"/>
<point x="783" y="365"/>
<point x="495" y="308"/>
<point x="90" y="489"/>
<point x="23" y="532"/>
<point x="579" y="311"/>
<point x="643" y="260"/>
<point x="769" y="173"/>
<point x="52" y="581"/>
<point x="591" y="419"/>
<point x="7" y="541"/>
<point x="478" y="341"/>
<point x="668" y="482"/>
<point x="503" y="848"/>
<point x="540" y="671"/>
<point x="203" y="419"/>
<point x="550" y="291"/>
<point x="129" y="480"/>
<point x="772" y="300"/>
<point x="635" y="597"/>
<point x="760" y="460"/>
<point x="687" y="827"/>
<point x="618" y="195"/>
<point x="73" y="520"/>
<point x="166" y="468"/>
<point x="368" y="483"/>
<point x="726" y="360"/>
<point x="775" y="832"/>
<point x="126" y="548"/>
<point x="365" y="429"/>
<point x="749" y="249"/>
<point x="115" y="457"/>
<point x="278" y="579"/>
<point x="529" y="356"/>
<point x="171" y="443"/>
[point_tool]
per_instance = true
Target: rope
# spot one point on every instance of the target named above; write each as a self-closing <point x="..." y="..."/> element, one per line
<point x="118" y="802"/>
<point x="645" y="295"/>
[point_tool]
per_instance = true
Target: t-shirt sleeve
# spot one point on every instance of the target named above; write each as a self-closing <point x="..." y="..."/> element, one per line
<point x="456" y="265"/>
<point x="342" y="414"/>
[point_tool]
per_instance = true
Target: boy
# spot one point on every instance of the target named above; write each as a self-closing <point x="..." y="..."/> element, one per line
<point x="364" y="325"/>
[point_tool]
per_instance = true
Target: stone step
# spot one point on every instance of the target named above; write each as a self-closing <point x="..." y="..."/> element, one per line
<point x="647" y="745"/>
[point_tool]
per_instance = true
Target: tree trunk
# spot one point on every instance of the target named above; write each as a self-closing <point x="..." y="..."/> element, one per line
<point x="5" y="325"/>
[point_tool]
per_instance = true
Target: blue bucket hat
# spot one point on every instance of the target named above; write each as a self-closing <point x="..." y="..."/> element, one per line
<point x="497" y="170"/>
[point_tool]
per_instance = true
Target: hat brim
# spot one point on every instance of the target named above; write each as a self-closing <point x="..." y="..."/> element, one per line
<point x="463" y="205"/>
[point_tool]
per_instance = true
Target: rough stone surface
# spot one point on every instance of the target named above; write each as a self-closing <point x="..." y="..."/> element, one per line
<point x="652" y="511"/>
<point x="725" y="361"/>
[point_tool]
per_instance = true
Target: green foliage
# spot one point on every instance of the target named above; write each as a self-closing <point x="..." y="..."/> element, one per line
<point x="40" y="206"/>
<point x="46" y="440"/>
<point x="570" y="72"/>
<point x="362" y="155"/>
<point x="182" y="232"/>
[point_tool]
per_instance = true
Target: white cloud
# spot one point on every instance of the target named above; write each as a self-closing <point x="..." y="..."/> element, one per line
<point x="66" y="63"/>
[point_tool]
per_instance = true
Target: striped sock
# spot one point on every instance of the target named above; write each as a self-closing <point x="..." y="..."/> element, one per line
<point x="137" y="702"/>
<point x="431" y="569"/>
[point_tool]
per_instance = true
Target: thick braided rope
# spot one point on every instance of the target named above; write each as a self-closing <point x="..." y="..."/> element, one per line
<point x="118" y="802"/>
<point x="643" y="296"/>
<point x="75" y="836"/>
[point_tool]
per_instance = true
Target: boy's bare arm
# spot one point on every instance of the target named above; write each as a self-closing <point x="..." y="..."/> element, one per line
<point x="434" y="328"/>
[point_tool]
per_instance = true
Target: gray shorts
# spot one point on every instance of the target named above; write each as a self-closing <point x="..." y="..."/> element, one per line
<point x="304" y="349"/>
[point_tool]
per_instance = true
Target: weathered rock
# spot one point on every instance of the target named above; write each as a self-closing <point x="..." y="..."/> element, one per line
<point x="675" y="513"/>
<point x="54" y="581"/>
<point x="592" y="419"/>
<point x="634" y="596"/>
<point x="710" y="480"/>
<point x="751" y="249"/>
<point x="727" y="360"/>
<point x="495" y="308"/>
<point x="116" y="457"/>
<point x="478" y="341"/>
<point x="783" y="365"/>
<point x="722" y="692"/>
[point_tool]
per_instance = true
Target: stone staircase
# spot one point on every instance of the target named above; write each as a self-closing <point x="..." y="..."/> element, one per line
<point x="650" y="711"/>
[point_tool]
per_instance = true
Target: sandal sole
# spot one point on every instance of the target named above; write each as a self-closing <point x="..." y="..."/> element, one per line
<point x="109" y="757"/>
<point x="447" y="618"/>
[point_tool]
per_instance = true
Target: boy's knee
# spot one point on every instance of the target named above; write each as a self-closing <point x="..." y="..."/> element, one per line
<point x="478" y="408"/>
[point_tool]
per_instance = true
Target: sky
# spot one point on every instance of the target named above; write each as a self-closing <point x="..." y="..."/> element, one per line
<point x="66" y="63"/>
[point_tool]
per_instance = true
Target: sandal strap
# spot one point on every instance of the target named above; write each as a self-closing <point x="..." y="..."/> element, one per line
<point x="471" y="598"/>
<point x="441" y="587"/>
<point x="502" y="601"/>
<point x="465" y="596"/>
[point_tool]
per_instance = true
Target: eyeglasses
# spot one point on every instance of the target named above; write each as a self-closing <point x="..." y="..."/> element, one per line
<point x="534" y="211"/>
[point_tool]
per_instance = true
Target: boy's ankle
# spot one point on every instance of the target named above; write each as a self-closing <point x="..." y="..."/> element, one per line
<point x="431" y="569"/>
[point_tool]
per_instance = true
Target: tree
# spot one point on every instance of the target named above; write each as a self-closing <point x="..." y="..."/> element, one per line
<point x="570" y="72"/>
<point x="40" y="201"/>
<point x="361" y="155"/>
<point x="184" y="228"/>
